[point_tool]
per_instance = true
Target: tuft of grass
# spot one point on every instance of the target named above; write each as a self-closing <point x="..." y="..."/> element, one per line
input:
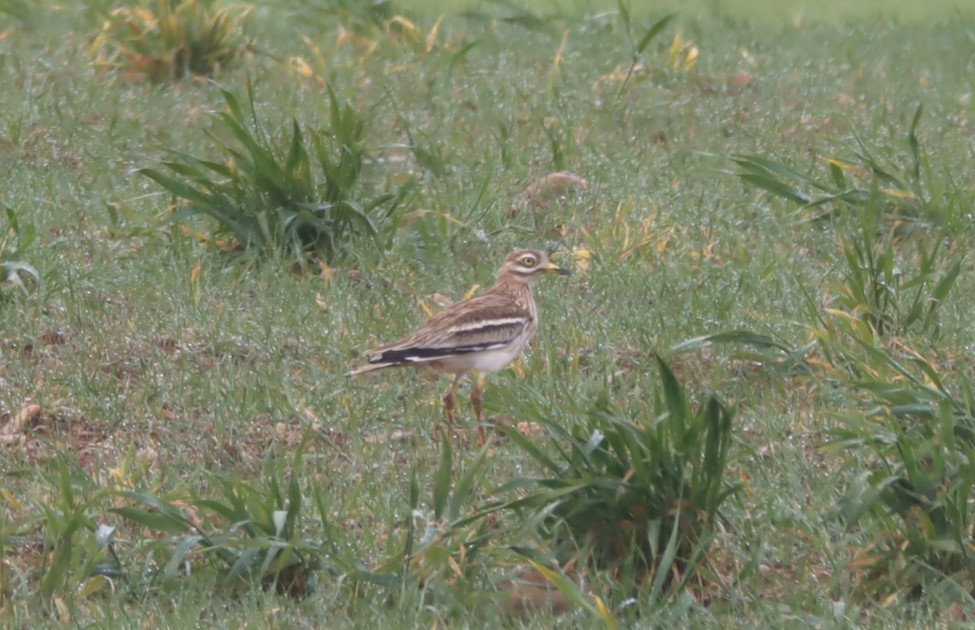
<point x="250" y="534"/>
<point x="301" y="199"/>
<point x="447" y="535"/>
<point x="638" y="497"/>
<point x="71" y="560"/>
<point x="16" y="237"/>
<point x="907" y="187"/>
<point x="170" y="41"/>
<point x="894" y="291"/>
<point x="886" y="208"/>
<point x="916" y="500"/>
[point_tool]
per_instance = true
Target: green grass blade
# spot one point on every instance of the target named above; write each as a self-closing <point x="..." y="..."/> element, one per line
<point x="666" y="561"/>
<point x="462" y="489"/>
<point x="171" y="569"/>
<point x="913" y="143"/>
<point x="156" y="521"/>
<point x="742" y="336"/>
<point x="653" y="31"/>
<point x="176" y="187"/>
<point x="673" y="393"/>
<point x="775" y="186"/>
<point x="573" y="593"/>
<point x="529" y="447"/>
<point x="441" y="482"/>
<point x="624" y="16"/>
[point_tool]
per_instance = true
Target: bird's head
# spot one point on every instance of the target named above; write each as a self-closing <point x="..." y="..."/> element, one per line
<point x="527" y="265"/>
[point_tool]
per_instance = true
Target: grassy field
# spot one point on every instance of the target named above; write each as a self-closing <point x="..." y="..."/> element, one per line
<point x="158" y="380"/>
<point x="756" y="11"/>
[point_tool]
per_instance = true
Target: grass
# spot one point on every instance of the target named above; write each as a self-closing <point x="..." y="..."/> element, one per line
<point x="138" y="357"/>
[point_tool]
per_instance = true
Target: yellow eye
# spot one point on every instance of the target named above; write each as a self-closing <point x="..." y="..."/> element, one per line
<point x="528" y="261"/>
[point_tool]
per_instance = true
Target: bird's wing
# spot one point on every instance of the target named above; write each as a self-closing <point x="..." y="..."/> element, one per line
<point x="484" y="322"/>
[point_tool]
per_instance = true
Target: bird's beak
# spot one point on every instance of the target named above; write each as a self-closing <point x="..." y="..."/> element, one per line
<point x="553" y="268"/>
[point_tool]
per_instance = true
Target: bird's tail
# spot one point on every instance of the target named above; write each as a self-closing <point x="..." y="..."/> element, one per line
<point x="369" y="367"/>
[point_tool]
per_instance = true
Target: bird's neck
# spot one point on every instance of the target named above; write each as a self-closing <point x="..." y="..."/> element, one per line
<point x="505" y="281"/>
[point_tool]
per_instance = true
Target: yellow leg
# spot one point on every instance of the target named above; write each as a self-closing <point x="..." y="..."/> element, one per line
<point x="476" y="392"/>
<point x="450" y="401"/>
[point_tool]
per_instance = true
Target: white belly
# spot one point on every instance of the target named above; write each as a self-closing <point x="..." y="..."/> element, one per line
<point x="487" y="361"/>
<point x="494" y="360"/>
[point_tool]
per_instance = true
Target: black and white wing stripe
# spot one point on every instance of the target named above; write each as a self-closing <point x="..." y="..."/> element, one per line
<point x="476" y="335"/>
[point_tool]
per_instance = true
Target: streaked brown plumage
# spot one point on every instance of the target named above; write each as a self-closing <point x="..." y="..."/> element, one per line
<point x="483" y="333"/>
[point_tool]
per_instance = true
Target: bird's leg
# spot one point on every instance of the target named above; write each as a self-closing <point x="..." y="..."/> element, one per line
<point x="476" y="392"/>
<point x="450" y="402"/>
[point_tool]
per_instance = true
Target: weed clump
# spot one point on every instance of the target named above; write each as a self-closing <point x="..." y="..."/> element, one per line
<point x="173" y="40"/>
<point x="302" y="199"/>
<point x="636" y="497"/>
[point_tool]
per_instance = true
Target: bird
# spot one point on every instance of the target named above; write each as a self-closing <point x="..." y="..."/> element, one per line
<point x="481" y="334"/>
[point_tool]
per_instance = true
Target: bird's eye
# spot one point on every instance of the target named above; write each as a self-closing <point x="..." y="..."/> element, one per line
<point x="528" y="261"/>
